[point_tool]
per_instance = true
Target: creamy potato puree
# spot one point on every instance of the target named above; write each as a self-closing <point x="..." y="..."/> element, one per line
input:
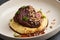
<point x="25" y="30"/>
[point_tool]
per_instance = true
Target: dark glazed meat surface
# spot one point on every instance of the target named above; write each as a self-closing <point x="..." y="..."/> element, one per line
<point x="26" y="16"/>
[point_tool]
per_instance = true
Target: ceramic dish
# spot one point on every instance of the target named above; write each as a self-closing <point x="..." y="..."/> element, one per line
<point x="50" y="7"/>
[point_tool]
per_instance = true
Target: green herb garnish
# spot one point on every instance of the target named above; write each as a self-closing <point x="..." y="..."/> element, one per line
<point x="43" y="16"/>
<point x="10" y="20"/>
<point x="17" y="12"/>
<point x="25" y="18"/>
<point x="16" y="35"/>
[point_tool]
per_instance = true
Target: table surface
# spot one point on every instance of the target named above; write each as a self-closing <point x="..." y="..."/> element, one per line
<point x="55" y="37"/>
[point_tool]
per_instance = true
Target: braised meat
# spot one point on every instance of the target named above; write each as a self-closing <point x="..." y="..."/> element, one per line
<point x="26" y="16"/>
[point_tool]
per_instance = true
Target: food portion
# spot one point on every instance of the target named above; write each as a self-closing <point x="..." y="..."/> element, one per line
<point x="28" y="22"/>
<point x="26" y="16"/>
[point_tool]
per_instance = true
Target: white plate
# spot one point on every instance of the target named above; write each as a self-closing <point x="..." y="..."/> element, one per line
<point x="8" y="10"/>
